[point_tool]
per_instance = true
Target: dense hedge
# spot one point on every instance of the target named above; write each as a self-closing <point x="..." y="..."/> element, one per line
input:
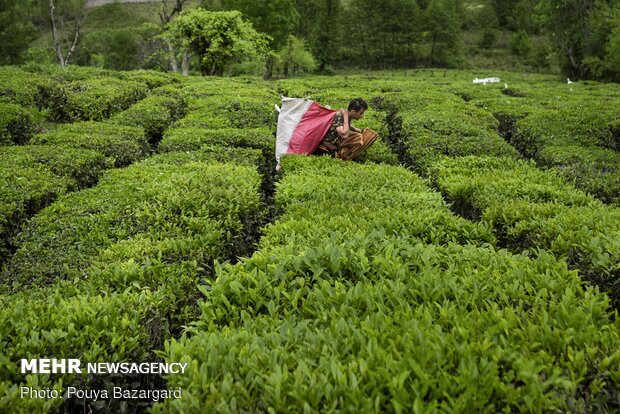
<point x="141" y="240"/>
<point x="17" y="124"/>
<point x="537" y="211"/>
<point x="123" y="144"/>
<point x="188" y="139"/>
<point x="95" y="99"/>
<point x="32" y="176"/>
<point x="209" y="153"/>
<point x="23" y="88"/>
<point x="343" y="309"/>
<point x="147" y="200"/>
<point x="154" y="114"/>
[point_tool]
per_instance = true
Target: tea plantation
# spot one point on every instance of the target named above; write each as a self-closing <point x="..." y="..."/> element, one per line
<point x="470" y="262"/>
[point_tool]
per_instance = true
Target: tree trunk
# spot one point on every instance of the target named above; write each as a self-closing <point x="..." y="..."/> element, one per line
<point x="185" y="64"/>
<point x="174" y="66"/>
<point x="57" y="48"/>
<point x="64" y="60"/>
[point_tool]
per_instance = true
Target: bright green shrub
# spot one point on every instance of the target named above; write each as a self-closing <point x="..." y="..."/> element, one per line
<point x="154" y="114"/>
<point x="23" y="88"/>
<point x="17" y="124"/>
<point x="150" y="202"/>
<point x="533" y="210"/>
<point x="209" y="153"/>
<point x="230" y="112"/>
<point x="96" y="99"/>
<point x="333" y="197"/>
<point x="117" y="327"/>
<point x="23" y="192"/>
<point x="150" y="78"/>
<point x="472" y="183"/>
<point x="33" y="176"/>
<point x="188" y="139"/>
<point x="591" y="168"/>
<point x="83" y="166"/>
<point x="379" y="152"/>
<point x="332" y="315"/>
<point x="574" y="140"/>
<point x="124" y="144"/>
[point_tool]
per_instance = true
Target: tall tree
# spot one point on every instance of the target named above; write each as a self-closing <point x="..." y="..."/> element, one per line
<point x="167" y="13"/>
<point x="321" y="24"/>
<point x="442" y="31"/>
<point x="568" y="22"/>
<point x="16" y="32"/>
<point x="277" y="18"/>
<point x="382" y="39"/>
<point x="217" y="38"/>
<point x="65" y="19"/>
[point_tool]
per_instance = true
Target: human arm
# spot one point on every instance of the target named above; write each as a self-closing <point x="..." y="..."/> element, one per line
<point x="343" y="130"/>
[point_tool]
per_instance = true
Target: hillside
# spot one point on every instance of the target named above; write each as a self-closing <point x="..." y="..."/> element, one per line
<point x="469" y="262"/>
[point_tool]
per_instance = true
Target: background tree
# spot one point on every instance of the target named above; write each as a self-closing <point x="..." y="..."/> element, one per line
<point x="277" y="18"/>
<point x="295" y="58"/>
<point x="568" y="22"/>
<point x="324" y="29"/>
<point x="442" y="31"/>
<point x="168" y="11"/>
<point x="66" y="19"/>
<point x="16" y="32"/>
<point x="216" y="38"/>
<point x="378" y="37"/>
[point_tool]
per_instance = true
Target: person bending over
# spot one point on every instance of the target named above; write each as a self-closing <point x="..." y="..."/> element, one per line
<point x="343" y="140"/>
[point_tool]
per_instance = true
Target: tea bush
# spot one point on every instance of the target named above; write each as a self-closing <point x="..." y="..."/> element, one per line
<point x="330" y="314"/>
<point x="537" y="211"/>
<point x="17" y="124"/>
<point x="152" y="202"/>
<point x="137" y="243"/>
<point x="188" y="139"/>
<point x="22" y="88"/>
<point x="124" y="326"/>
<point x="209" y="153"/>
<point x="95" y="99"/>
<point x="154" y="114"/>
<point x="123" y="144"/>
<point x="33" y="176"/>
<point x="24" y="191"/>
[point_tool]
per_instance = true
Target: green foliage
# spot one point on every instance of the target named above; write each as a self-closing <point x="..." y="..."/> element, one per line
<point x="328" y="313"/>
<point x="189" y="139"/>
<point x="217" y="38"/>
<point x="15" y="33"/>
<point x="24" y="191"/>
<point x="210" y="153"/>
<point x="116" y="48"/>
<point x="31" y="177"/>
<point x="277" y="18"/>
<point x="17" y="124"/>
<point x="143" y="203"/>
<point x="295" y="58"/>
<point x="96" y="99"/>
<point x="83" y="166"/>
<point x="217" y="112"/>
<point x="537" y="211"/>
<point x="520" y="44"/>
<point x="154" y="114"/>
<point x="442" y="32"/>
<point x="123" y="144"/>
<point x="31" y="90"/>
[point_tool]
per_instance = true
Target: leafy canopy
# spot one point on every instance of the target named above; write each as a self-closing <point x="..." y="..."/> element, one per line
<point x="217" y="38"/>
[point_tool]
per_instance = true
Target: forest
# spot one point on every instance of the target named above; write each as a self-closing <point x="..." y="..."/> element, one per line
<point x="578" y="39"/>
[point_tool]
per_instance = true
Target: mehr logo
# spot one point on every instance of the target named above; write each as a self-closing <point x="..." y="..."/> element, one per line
<point x="73" y="366"/>
<point x="51" y="366"/>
